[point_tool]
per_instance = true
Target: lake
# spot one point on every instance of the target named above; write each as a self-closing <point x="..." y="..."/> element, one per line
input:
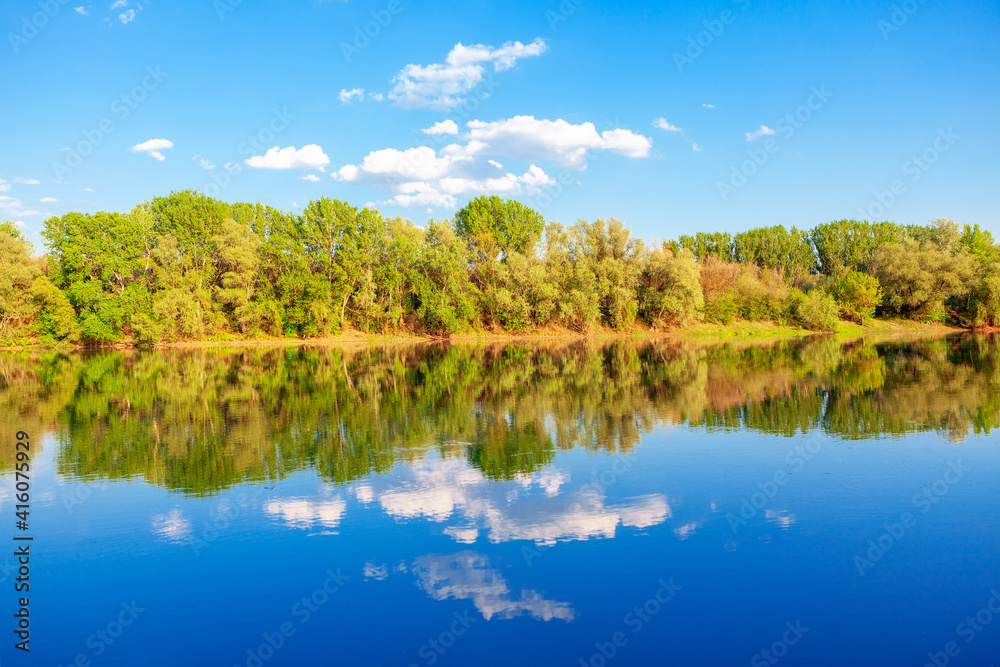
<point x="810" y="502"/>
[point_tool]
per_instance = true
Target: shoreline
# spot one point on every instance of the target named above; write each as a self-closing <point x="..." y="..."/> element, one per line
<point x="743" y="331"/>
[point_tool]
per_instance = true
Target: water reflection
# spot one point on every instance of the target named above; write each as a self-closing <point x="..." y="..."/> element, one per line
<point x="201" y="421"/>
<point x="467" y="575"/>
<point x="544" y="507"/>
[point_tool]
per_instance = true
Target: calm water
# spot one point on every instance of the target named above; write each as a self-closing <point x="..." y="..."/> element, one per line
<point x="808" y="503"/>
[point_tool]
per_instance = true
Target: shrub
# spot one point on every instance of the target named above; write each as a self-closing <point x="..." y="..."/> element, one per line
<point x="857" y="294"/>
<point x="816" y="310"/>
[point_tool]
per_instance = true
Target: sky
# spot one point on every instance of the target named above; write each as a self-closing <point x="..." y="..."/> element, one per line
<point x="673" y="117"/>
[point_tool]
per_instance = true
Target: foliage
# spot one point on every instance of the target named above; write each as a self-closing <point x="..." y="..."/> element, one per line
<point x="857" y="294"/>
<point x="188" y="266"/>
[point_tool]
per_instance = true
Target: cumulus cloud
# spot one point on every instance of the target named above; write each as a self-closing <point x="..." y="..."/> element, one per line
<point x="528" y="138"/>
<point x="708" y="106"/>
<point x="763" y="131"/>
<point x="442" y="127"/>
<point x="80" y="10"/>
<point x="422" y="177"/>
<point x="442" y="85"/>
<point x="662" y="123"/>
<point x="4" y="185"/>
<point x="118" y="4"/>
<point x="348" y="96"/>
<point x="12" y="207"/>
<point x="153" y="147"/>
<point x="48" y="200"/>
<point x="307" y="157"/>
<point x="127" y="17"/>
<point x="312" y="178"/>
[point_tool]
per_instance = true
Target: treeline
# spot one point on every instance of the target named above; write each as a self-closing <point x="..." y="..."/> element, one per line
<point x="203" y="420"/>
<point x="187" y="266"/>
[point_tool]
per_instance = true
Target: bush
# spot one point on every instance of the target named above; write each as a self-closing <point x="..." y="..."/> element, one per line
<point x="857" y="295"/>
<point x="816" y="310"/>
<point x="669" y="289"/>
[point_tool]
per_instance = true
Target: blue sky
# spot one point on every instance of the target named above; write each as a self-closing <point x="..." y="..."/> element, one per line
<point x="674" y="117"/>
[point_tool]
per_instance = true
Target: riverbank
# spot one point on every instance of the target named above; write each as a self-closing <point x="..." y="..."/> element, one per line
<point x="744" y="331"/>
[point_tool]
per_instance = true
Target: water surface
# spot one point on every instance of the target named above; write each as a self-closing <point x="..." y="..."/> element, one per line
<point x="535" y="504"/>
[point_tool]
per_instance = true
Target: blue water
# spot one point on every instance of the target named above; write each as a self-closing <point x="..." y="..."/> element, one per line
<point x="697" y="547"/>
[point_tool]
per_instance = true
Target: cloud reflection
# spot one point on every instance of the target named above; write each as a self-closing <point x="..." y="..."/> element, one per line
<point x="547" y="508"/>
<point x="467" y="575"/>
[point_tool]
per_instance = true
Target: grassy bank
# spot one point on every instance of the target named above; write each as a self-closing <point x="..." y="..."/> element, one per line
<point x="744" y="331"/>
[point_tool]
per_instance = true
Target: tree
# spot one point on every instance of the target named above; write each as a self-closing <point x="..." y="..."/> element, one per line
<point x="857" y="294"/>
<point x="669" y="288"/>
<point x="18" y="271"/>
<point x="494" y="227"/>
<point x="918" y="279"/>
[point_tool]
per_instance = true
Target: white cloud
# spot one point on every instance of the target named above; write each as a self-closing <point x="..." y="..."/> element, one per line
<point x="154" y="147"/>
<point x="442" y="127"/>
<point x="203" y="163"/>
<point x="48" y="200"/>
<point x="118" y="4"/>
<point x="86" y="189"/>
<point x="348" y="96"/>
<point x="708" y="106"/>
<point x="378" y="97"/>
<point x="4" y="185"/>
<point x="11" y="207"/>
<point x="757" y="134"/>
<point x="442" y="85"/>
<point x="312" y="178"/>
<point x="80" y="10"/>
<point x="27" y="181"/>
<point x="662" y="123"/>
<point x="307" y="157"/>
<point x="127" y="17"/>
<point x="421" y="177"/>
<point x="695" y="147"/>
<point x="528" y="138"/>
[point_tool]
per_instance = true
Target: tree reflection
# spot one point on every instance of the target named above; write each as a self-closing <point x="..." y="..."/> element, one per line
<point x="199" y="421"/>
